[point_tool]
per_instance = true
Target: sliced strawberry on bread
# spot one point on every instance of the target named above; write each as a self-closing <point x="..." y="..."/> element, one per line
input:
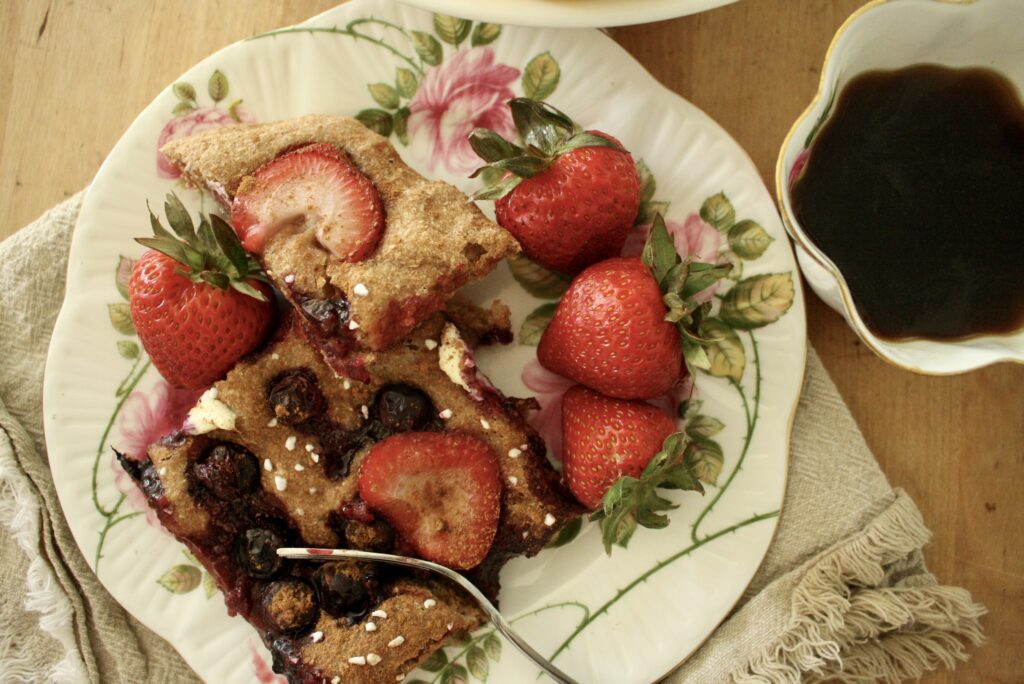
<point x="316" y="188"/>
<point x="441" y="493"/>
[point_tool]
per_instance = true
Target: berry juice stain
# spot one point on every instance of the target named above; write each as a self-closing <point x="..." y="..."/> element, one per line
<point x="914" y="187"/>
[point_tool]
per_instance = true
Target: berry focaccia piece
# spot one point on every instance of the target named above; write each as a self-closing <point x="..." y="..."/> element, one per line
<point x="363" y="245"/>
<point x="283" y="452"/>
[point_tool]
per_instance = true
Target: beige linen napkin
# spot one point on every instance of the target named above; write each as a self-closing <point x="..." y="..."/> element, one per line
<point x="843" y="592"/>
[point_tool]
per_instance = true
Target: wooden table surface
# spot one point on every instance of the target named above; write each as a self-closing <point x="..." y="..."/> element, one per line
<point x="73" y="75"/>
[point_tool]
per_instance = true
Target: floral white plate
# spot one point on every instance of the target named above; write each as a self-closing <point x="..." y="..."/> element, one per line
<point x="629" y="618"/>
<point x="569" y="13"/>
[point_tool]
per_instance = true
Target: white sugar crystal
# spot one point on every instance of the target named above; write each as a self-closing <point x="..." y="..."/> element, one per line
<point x="357" y="660"/>
<point x="373" y="658"/>
<point x="429" y="603"/>
<point x="209" y="414"/>
<point x="163" y="471"/>
<point x="361" y="290"/>
<point x="379" y="614"/>
<point x="317" y="637"/>
<point x="370" y="626"/>
<point x="514" y="452"/>
<point x="513" y="480"/>
<point x="396" y="642"/>
<point x="267" y="465"/>
<point x="352" y="325"/>
<point x="272" y="422"/>
<point x="299" y="468"/>
<point x="309" y="447"/>
<point x="365" y="410"/>
<point x="430" y="344"/>
<point x="289" y="443"/>
<point x="549" y="520"/>
<point x="315" y="456"/>
<point x="275" y="356"/>
<point x="336" y="680"/>
<point x="281" y="483"/>
<point x="446" y="414"/>
<point x="346" y="384"/>
<point x="484" y="424"/>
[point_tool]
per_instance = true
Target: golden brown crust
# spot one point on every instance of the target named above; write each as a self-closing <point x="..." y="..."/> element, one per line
<point x="434" y="242"/>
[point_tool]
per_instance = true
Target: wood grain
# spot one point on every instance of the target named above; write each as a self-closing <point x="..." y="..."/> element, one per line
<point x="75" y="74"/>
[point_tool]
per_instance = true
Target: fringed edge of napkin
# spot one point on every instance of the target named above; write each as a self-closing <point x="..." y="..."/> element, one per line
<point x="21" y="513"/>
<point x="867" y="611"/>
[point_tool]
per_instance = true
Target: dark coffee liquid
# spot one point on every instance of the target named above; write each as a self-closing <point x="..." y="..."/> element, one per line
<point x="914" y="187"/>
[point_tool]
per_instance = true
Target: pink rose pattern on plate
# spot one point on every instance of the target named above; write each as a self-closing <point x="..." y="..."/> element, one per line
<point x="190" y="118"/>
<point x="144" y="419"/>
<point x="436" y="100"/>
<point x="466" y="92"/>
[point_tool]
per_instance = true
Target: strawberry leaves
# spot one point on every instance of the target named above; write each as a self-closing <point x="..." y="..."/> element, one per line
<point x="633" y="502"/>
<point x="211" y="254"/>
<point x="545" y="133"/>
<point x="680" y="281"/>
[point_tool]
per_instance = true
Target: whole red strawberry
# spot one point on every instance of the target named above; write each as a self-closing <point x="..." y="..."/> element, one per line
<point x="440" y="491"/>
<point x="569" y="196"/>
<point x="609" y="333"/>
<point x="604" y="439"/>
<point x="196" y="300"/>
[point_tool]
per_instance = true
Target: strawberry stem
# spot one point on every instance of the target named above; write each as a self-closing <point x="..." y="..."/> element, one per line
<point x="212" y="255"/>
<point x="545" y="133"/>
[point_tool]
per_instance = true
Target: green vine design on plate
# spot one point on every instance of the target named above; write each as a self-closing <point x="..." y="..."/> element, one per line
<point x="477" y="651"/>
<point x="421" y="50"/>
<point x="121" y="319"/>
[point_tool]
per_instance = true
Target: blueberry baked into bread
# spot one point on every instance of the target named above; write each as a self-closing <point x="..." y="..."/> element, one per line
<point x="273" y="455"/>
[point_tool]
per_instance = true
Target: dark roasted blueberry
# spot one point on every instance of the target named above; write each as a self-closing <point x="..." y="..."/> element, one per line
<point x="295" y="396"/>
<point x="376" y="536"/>
<point x="289" y="605"/>
<point x="343" y="589"/>
<point x="328" y="315"/>
<point x="256" y="552"/>
<point x="228" y="470"/>
<point x="402" y="408"/>
<point x="338" y="448"/>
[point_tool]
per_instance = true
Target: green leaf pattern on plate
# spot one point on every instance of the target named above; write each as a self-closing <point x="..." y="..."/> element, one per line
<point x="537" y="280"/>
<point x="757" y="301"/>
<point x="536" y="323"/>
<point x="541" y="76"/>
<point x="180" y="579"/>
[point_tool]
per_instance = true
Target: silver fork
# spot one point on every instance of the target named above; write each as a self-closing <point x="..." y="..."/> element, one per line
<point x="499" y="621"/>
